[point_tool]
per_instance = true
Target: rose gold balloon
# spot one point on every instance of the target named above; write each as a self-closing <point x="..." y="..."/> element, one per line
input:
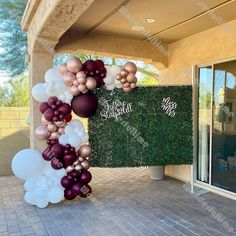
<point x="60" y="124"/>
<point x="124" y="72"/>
<point x="91" y="83"/>
<point x="61" y="130"/>
<point x="131" y="67"/>
<point x="74" y="65"/>
<point x="42" y="133"/>
<point x="69" y="168"/>
<point x="63" y="68"/>
<point x="74" y="90"/>
<point x="68" y="78"/>
<point x="82" y="87"/>
<point x="76" y="83"/>
<point x="85" y="91"/>
<point x="78" y="167"/>
<point x="81" y="159"/>
<point x="118" y="77"/>
<point x="123" y="80"/>
<point x="133" y="85"/>
<point x="55" y="135"/>
<point x="44" y="121"/>
<point x="81" y="80"/>
<point x="80" y="74"/>
<point x="131" y="77"/>
<point x="52" y="127"/>
<point x="85" y="164"/>
<point x="85" y="150"/>
<point x="126" y="85"/>
<point x="127" y="89"/>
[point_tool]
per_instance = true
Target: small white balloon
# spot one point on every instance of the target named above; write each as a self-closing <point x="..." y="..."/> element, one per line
<point x="52" y="74"/>
<point x="42" y="202"/>
<point x="63" y="139"/>
<point x="55" y="195"/>
<point x="74" y="140"/>
<point x="30" y="198"/>
<point x="115" y="70"/>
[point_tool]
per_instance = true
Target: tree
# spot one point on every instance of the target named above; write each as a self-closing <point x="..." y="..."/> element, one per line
<point x="13" y="42"/>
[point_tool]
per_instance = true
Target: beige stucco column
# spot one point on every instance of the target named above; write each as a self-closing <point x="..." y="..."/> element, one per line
<point x="40" y="62"/>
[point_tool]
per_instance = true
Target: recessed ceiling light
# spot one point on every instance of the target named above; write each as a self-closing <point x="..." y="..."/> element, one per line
<point x="138" y="28"/>
<point x="149" y="20"/>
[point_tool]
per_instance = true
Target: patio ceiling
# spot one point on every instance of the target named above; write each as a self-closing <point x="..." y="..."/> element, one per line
<point x="174" y="20"/>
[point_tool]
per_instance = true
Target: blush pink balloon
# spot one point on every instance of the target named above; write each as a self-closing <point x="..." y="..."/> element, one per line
<point x="131" y="67"/>
<point x="55" y="135"/>
<point x="74" y="90"/>
<point x="80" y="74"/>
<point x="42" y="133"/>
<point x="44" y="121"/>
<point x="68" y="78"/>
<point x="82" y="87"/>
<point x="52" y="127"/>
<point x="91" y="83"/>
<point x="63" y="68"/>
<point x="74" y="65"/>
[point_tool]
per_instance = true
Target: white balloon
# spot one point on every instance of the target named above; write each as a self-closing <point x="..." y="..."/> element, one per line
<point x="115" y="70"/>
<point x="63" y="139"/>
<point x="60" y="173"/>
<point x="27" y="163"/>
<point x="69" y="129"/>
<point x="110" y="87"/>
<point x="30" y="198"/>
<point x="55" y="195"/>
<point x="109" y="80"/>
<point x="39" y="92"/>
<point x="52" y="74"/>
<point x="74" y="140"/>
<point x="30" y="183"/>
<point x="42" y="202"/>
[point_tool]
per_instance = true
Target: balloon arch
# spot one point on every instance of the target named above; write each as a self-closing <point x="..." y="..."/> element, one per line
<point x="61" y="171"/>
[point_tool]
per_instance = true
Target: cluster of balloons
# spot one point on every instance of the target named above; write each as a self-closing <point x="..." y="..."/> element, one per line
<point x="127" y="76"/>
<point x="42" y="182"/>
<point x="61" y="171"/>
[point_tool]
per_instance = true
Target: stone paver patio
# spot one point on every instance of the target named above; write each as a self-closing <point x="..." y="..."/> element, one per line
<point x="124" y="202"/>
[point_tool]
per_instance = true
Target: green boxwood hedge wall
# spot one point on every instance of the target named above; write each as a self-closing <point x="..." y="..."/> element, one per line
<point x="169" y="138"/>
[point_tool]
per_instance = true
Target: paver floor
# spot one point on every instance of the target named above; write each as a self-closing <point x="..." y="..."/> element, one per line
<point x="125" y="201"/>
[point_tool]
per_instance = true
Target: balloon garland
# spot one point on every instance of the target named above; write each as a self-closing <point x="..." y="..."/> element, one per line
<point x="61" y="171"/>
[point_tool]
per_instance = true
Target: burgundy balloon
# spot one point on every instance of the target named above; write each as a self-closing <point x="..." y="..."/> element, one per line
<point x="52" y="101"/>
<point x="49" y="114"/>
<point x="47" y="154"/>
<point x="99" y="81"/>
<point x="74" y="174"/>
<point x="65" y="109"/>
<point x="86" y="191"/>
<point x="85" y="105"/>
<point x="66" y="182"/>
<point x="77" y="187"/>
<point x="99" y="63"/>
<point x="69" y="159"/>
<point x="56" y="164"/>
<point x="90" y="65"/>
<point x="43" y="107"/>
<point x="85" y="177"/>
<point x="69" y="194"/>
<point x="58" y="150"/>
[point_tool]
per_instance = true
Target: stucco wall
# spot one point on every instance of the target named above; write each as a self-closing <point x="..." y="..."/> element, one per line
<point x="14" y="135"/>
<point x="212" y="45"/>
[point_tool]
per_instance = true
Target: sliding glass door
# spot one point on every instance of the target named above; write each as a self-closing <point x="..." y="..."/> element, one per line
<point x="217" y="125"/>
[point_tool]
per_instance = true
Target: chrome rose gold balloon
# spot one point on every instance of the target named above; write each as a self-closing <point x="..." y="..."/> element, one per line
<point x="78" y="167"/>
<point x="131" y="77"/>
<point x="127" y="89"/>
<point x="91" y="83"/>
<point x="52" y="127"/>
<point x="44" y="121"/>
<point x="85" y="150"/>
<point x="81" y="159"/>
<point x="80" y="74"/>
<point x="60" y="124"/>
<point x="126" y="85"/>
<point x="42" y="133"/>
<point x="133" y="85"/>
<point x="69" y="169"/>
<point x="82" y="87"/>
<point x="61" y="130"/>
<point x="68" y="78"/>
<point x="81" y="80"/>
<point x="118" y="77"/>
<point x="74" y="90"/>
<point x="131" y="67"/>
<point x="63" y="68"/>
<point x="55" y="135"/>
<point x="85" y="164"/>
<point x="123" y="80"/>
<point x="74" y="65"/>
<point x="85" y="91"/>
<point x="124" y="72"/>
<point x="76" y="83"/>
